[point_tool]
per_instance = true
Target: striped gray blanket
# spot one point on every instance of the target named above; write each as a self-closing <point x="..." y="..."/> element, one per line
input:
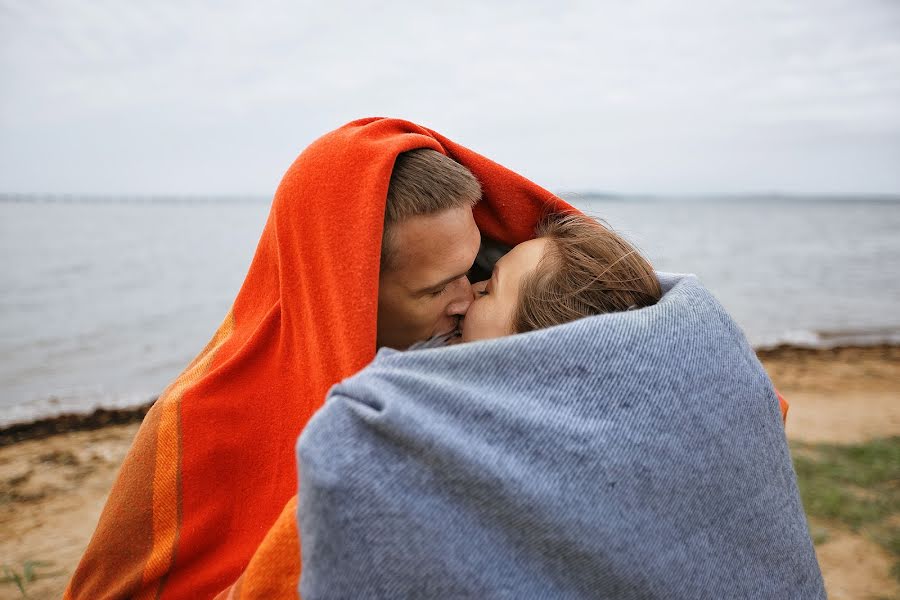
<point x="629" y="455"/>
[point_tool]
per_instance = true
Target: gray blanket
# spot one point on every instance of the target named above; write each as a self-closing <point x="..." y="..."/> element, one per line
<point x="630" y="455"/>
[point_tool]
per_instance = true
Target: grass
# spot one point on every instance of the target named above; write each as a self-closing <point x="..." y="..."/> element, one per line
<point x="856" y="486"/>
<point x="27" y="574"/>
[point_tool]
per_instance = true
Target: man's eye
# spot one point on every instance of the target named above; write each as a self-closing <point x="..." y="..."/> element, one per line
<point x="483" y="292"/>
<point x="439" y="292"/>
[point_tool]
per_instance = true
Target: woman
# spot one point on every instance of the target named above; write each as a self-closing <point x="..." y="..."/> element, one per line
<point x="573" y="268"/>
<point x="625" y="444"/>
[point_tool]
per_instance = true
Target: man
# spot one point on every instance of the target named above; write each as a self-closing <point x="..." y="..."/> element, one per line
<point x="429" y="244"/>
<point x="204" y="502"/>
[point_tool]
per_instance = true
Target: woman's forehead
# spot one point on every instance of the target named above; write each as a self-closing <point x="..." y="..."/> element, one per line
<point x="522" y="259"/>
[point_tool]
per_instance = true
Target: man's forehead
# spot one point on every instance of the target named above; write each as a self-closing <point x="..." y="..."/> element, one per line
<point x="427" y="226"/>
<point x="430" y="248"/>
<point x="419" y="270"/>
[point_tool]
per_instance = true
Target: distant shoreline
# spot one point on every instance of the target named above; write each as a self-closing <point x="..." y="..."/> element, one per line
<point x="569" y="195"/>
<point x="103" y="417"/>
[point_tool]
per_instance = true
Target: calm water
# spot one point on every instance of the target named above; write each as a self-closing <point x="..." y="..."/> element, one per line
<point x="103" y="303"/>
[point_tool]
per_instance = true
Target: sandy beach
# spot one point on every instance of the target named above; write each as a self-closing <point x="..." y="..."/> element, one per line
<point x="52" y="489"/>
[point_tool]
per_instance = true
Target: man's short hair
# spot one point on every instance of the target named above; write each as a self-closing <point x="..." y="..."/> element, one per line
<point x="424" y="182"/>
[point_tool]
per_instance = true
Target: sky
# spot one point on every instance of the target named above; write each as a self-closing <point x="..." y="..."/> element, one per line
<point x="658" y="97"/>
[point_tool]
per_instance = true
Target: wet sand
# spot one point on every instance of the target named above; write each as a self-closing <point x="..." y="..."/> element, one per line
<point x="52" y="487"/>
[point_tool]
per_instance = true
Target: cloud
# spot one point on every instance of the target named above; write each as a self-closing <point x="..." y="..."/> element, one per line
<point x="203" y="97"/>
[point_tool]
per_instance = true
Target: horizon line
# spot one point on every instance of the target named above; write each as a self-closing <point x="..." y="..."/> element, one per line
<point x="570" y="194"/>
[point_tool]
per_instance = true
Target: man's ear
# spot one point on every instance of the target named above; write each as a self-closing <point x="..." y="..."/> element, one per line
<point x="488" y="255"/>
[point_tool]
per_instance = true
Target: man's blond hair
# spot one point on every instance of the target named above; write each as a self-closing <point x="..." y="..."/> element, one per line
<point x="424" y="182"/>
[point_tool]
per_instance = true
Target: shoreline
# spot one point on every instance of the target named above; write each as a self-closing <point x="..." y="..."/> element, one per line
<point x="795" y="351"/>
<point x="72" y="422"/>
<point x="786" y="364"/>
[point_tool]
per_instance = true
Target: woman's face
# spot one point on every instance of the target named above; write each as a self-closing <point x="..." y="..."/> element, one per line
<point x="496" y="299"/>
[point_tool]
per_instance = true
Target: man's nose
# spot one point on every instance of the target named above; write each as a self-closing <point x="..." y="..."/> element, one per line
<point x="462" y="298"/>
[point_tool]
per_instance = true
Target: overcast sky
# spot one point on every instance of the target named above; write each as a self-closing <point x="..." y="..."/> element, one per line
<point x="639" y="96"/>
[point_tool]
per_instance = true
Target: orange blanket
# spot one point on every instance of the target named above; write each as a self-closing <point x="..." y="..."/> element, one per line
<point x="211" y="471"/>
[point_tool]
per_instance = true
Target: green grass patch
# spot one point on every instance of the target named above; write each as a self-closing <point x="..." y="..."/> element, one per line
<point x="31" y="570"/>
<point x="857" y="486"/>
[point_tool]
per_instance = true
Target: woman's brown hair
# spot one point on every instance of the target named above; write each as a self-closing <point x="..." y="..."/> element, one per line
<point x="586" y="270"/>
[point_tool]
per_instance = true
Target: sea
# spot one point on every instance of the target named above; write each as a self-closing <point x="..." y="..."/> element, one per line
<point x="104" y="300"/>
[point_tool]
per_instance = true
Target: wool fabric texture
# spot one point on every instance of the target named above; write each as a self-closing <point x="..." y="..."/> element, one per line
<point x="204" y="503"/>
<point x="629" y="455"/>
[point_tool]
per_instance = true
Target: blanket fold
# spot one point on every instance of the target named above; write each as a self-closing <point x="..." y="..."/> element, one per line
<point x="204" y="496"/>
<point x="629" y="455"/>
